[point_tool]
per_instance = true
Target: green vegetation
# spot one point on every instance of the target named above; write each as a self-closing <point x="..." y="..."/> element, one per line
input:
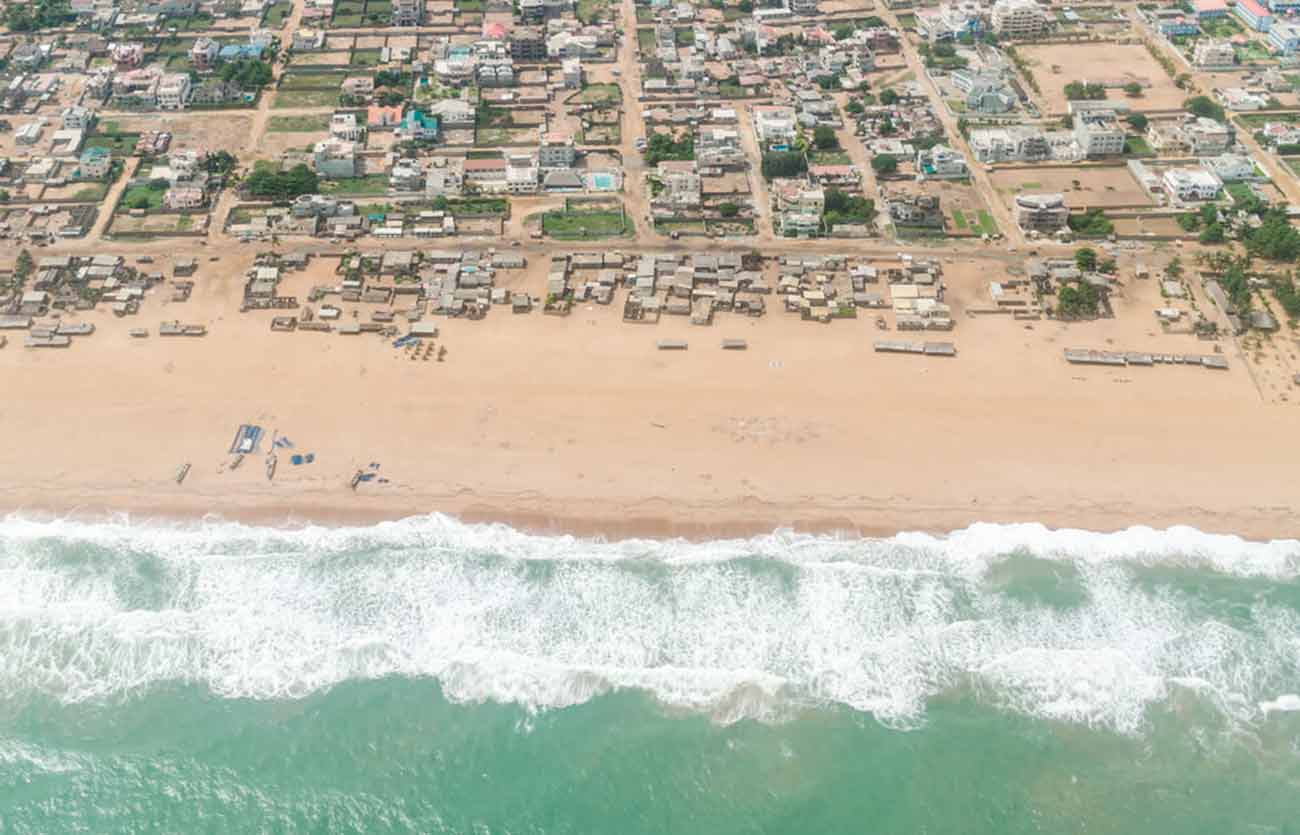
<point x="661" y="147"/>
<point x="268" y="181"/>
<point x="305" y="98"/>
<point x="846" y="208"/>
<point x="888" y="96"/>
<point x="1085" y="259"/>
<point x="1078" y="301"/>
<point x="586" y="224"/>
<point x="1204" y="106"/>
<point x="728" y="209"/>
<point x="1136" y="145"/>
<point x="91" y="194"/>
<point x="366" y="57"/>
<point x="1079" y="91"/>
<point x="219" y="163"/>
<point x="1284" y="287"/>
<point x="147" y="195"/>
<point x="824" y="138"/>
<point x="784" y="164"/>
<point x="598" y="94"/>
<point x="1274" y="239"/>
<point x="43" y="14"/>
<point x="298" y="124"/>
<point x="1133" y="90"/>
<point x="370" y="184"/>
<point x="250" y="75"/>
<point x="1138" y="122"/>
<point x="942" y="56"/>
<point x="118" y="144"/>
<point x="1093" y="222"/>
<point x="589" y="10"/>
<point x="884" y="164"/>
<point x="276" y="14"/>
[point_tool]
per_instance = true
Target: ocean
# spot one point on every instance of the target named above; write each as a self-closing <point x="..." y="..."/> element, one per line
<point x="431" y="676"/>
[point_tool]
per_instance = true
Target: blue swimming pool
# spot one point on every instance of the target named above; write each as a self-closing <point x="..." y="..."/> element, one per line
<point x="602" y="181"/>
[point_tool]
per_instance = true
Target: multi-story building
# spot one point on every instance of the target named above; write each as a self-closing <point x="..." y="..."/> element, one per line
<point x="1253" y="15"/>
<point x="1192" y="185"/>
<point x="203" y="54"/>
<point x="1018" y="19"/>
<point x="180" y="198"/>
<point x="77" y="117"/>
<point x="417" y="125"/>
<point x="1041" y="212"/>
<point x="1173" y="23"/>
<point x="941" y="163"/>
<point x="1098" y="133"/>
<point x="774" y="124"/>
<point x="1210" y="9"/>
<point x="556" y="151"/>
<point x="1013" y="144"/>
<point x="94" y="163"/>
<point x="719" y="147"/>
<point x="126" y="54"/>
<point x="345" y="126"/>
<point x="335" y="158"/>
<point x="174" y="91"/>
<point x="528" y="43"/>
<point x="1213" y="52"/>
<point x="1284" y="37"/>
<point x="408" y="12"/>
<point x="916" y="211"/>
<point x="804" y="6"/>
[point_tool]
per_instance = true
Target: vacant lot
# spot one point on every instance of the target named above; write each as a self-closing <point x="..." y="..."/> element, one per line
<point x="312" y="123"/>
<point x="585" y="224"/>
<point x="1055" y="65"/>
<point x="292" y="99"/>
<point x="1109" y="187"/>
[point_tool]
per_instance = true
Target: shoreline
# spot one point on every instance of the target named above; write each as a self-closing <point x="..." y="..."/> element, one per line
<point x="744" y="518"/>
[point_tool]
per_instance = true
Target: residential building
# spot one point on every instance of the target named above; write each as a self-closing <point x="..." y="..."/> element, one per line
<point x="174" y="91"/>
<point x="1018" y="19"/>
<point x="453" y="113"/>
<point x="719" y="147"/>
<point x="556" y="151"/>
<point x="419" y="126"/>
<point x="916" y="211"/>
<point x="522" y="174"/>
<point x="806" y="7"/>
<point x="486" y="173"/>
<point x="1253" y="15"/>
<point x="445" y="177"/>
<point x="345" y="126"/>
<point x="1173" y="23"/>
<point x="1209" y="9"/>
<point x="181" y="198"/>
<point x="408" y="12"/>
<point x="77" y="118"/>
<point x="203" y="54"/>
<point x="216" y="91"/>
<point x="528" y="43"/>
<point x="1213" y="52"/>
<point x="1284" y="37"/>
<point x="495" y="72"/>
<point x="1098" y="133"/>
<point x="136" y="89"/>
<point x="335" y="158"/>
<point x="305" y="40"/>
<point x="94" y="164"/>
<point x="126" y="55"/>
<point x="406" y="175"/>
<point x="1231" y="168"/>
<point x="1192" y="185"/>
<point x="681" y="187"/>
<point x="1041" y="212"/>
<point x="774" y="125"/>
<point x="986" y="92"/>
<point x="941" y="163"/>
<point x="572" y="70"/>
<point x="1241" y="99"/>
<point x="1020" y="143"/>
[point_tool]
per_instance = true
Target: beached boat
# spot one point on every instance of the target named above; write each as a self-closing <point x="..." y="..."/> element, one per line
<point x="182" y="472"/>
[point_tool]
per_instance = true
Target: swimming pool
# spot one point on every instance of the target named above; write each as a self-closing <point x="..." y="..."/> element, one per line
<point x="603" y="181"/>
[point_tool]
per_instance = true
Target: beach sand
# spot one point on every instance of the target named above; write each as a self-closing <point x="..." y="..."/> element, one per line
<point x="577" y="424"/>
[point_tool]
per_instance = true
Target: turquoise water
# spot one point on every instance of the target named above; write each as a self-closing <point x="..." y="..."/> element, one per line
<point x="428" y="676"/>
<point x="602" y="181"/>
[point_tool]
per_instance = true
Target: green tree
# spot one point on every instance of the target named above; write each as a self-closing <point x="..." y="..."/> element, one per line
<point x="784" y="164"/>
<point x="728" y="209"/>
<point x="1204" y="106"/>
<point x="888" y="96"/>
<point x="884" y="164"/>
<point x="1138" y="122"/>
<point x="1085" y="259"/>
<point x="1174" y="269"/>
<point x="824" y="138"/>
<point x="1132" y="89"/>
<point x="843" y="32"/>
<point x="1212" y="234"/>
<point x="854" y="106"/>
<point x="1275" y="238"/>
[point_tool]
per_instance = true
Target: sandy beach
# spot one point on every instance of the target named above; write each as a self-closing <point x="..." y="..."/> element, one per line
<point x="577" y="424"/>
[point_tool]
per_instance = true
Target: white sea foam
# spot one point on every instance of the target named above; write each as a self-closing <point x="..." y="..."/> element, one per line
<point x="740" y="628"/>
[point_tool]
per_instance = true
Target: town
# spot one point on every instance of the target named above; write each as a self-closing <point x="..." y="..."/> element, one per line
<point x="1089" y="174"/>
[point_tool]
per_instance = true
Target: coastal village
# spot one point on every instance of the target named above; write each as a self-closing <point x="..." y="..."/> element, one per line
<point x="1117" y="182"/>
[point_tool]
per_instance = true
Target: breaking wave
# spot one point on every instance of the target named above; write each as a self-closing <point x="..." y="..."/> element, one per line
<point x="1066" y="625"/>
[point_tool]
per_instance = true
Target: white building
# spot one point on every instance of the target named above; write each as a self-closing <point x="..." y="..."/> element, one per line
<point x="1098" y="133"/>
<point x="1018" y="19"/>
<point x="408" y="12"/>
<point x="774" y="124"/>
<point x="77" y="118"/>
<point x="941" y="163"/>
<point x="335" y="158"/>
<point x="556" y="151"/>
<point x="1192" y="184"/>
<point x="1013" y="144"/>
<point x="1213" y="53"/>
<point x="345" y="126"/>
<point x="173" y="91"/>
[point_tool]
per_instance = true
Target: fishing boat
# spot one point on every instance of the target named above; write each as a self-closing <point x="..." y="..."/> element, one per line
<point x="182" y="472"/>
<point x="270" y="467"/>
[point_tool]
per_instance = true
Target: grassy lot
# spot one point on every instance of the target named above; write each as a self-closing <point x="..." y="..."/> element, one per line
<point x="597" y="94"/>
<point x="369" y="184"/>
<point x="366" y="57"/>
<point x="645" y="41"/>
<point x="118" y="144"/>
<point x="276" y="14"/>
<point x="585" y="225"/>
<point x="587" y="9"/>
<point x="1239" y="191"/>
<point x="92" y="193"/>
<point x="644" y="15"/>
<point x="305" y="98"/>
<point x="1136" y="145"/>
<point x="136" y="196"/>
<point x="312" y="80"/>
<point x="986" y="223"/>
<point x="959" y="220"/>
<point x="907" y="21"/>
<point x="829" y="158"/>
<point x="469" y="5"/>
<point x="299" y="124"/>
